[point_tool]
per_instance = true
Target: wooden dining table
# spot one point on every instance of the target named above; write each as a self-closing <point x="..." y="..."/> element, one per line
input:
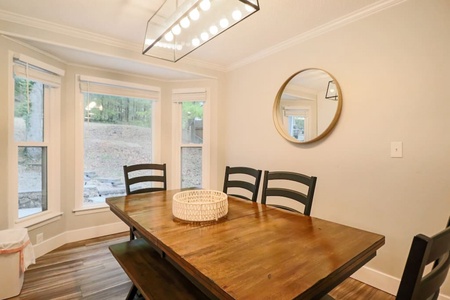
<point x="256" y="252"/>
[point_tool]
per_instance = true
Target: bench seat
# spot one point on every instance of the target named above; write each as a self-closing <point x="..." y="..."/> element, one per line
<point x="152" y="275"/>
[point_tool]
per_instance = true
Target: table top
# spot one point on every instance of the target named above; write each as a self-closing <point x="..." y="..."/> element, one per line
<point x="256" y="250"/>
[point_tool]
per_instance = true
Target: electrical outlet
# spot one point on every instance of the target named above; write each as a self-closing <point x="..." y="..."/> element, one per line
<point x="39" y="238"/>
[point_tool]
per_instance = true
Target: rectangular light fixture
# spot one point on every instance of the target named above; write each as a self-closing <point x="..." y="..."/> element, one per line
<point x="331" y="91"/>
<point x="178" y="27"/>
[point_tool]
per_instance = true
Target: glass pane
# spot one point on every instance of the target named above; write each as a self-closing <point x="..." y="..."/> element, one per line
<point x="117" y="132"/>
<point x="32" y="170"/>
<point x="297" y="127"/>
<point x="191" y="167"/>
<point x="28" y="111"/>
<point x="192" y="123"/>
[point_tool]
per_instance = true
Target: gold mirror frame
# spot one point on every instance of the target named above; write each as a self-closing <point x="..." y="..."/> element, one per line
<point x="278" y="109"/>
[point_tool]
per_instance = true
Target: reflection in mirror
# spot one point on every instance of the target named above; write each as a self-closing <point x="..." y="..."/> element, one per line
<point x="307" y="106"/>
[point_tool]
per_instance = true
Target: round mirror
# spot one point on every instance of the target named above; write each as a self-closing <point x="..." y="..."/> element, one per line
<point x="307" y="106"/>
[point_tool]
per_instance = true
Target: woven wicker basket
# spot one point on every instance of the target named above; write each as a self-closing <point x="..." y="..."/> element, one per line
<point x="200" y="205"/>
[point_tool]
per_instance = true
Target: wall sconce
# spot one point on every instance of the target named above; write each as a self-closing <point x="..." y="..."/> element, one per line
<point x="332" y="92"/>
<point x="178" y="27"/>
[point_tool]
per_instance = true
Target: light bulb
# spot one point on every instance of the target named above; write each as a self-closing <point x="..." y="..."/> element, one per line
<point x="185" y="22"/>
<point x="194" y="14"/>
<point x="176" y="29"/>
<point x="205" y="5"/>
<point x="249" y="8"/>
<point x="213" y="29"/>
<point x="195" y="42"/>
<point x="168" y="36"/>
<point x="204" y="36"/>
<point x="224" y="23"/>
<point x="237" y="15"/>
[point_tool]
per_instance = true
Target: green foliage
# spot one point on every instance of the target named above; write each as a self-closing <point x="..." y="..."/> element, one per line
<point x="192" y="110"/>
<point x="20" y="97"/>
<point x="300" y="123"/>
<point x="117" y="110"/>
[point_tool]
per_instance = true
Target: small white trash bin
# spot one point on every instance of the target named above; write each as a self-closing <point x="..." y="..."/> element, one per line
<point x="16" y="254"/>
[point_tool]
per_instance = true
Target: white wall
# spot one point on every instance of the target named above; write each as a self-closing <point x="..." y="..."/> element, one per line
<point x="393" y="71"/>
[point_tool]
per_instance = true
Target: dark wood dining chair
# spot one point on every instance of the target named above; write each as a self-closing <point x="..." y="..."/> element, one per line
<point x="242" y="182"/>
<point x="144" y="178"/>
<point x="284" y="184"/>
<point x="425" y="250"/>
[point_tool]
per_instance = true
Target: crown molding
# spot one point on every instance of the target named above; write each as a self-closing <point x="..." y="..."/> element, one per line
<point x="330" y="26"/>
<point x="135" y="47"/>
<point x="66" y="30"/>
<point x="92" y="37"/>
<point x="33" y="48"/>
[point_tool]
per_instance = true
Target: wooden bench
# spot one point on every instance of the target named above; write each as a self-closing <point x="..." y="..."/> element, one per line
<point x="154" y="276"/>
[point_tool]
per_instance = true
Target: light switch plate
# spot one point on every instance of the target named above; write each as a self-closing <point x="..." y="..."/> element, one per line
<point x="396" y="149"/>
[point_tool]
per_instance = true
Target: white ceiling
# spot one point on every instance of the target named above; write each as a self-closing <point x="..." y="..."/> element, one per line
<point x="122" y="23"/>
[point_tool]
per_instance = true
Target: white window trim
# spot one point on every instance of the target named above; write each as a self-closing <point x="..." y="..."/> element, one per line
<point x="182" y="95"/>
<point x="52" y="141"/>
<point x="79" y="207"/>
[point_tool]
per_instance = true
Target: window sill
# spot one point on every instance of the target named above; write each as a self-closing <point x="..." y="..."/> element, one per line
<point x="91" y="209"/>
<point x="38" y="220"/>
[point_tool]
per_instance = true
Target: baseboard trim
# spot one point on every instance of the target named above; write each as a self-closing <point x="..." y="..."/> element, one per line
<point x="382" y="281"/>
<point x="78" y="235"/>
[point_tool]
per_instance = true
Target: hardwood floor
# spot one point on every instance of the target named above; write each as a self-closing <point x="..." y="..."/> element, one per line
<point x="87" y="270"/>
<point x="80" y="270"/>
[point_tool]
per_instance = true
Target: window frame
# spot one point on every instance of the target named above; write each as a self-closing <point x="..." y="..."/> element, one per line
<point x="189" y="95"/>
<point x="298" y="111"/>
<point x="79" y="207"/>
<point x="52" y="117"/>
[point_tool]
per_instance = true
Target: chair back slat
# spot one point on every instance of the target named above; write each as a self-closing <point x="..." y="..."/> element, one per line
<point x="297" y="177"/>
<point x="148" y="178"/>
<point x="241" y="184"/>
<point x="287" y="193"/>
<point x="440" y="241"/>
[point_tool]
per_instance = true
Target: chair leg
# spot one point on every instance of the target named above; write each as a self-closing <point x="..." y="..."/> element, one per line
<point x="132" y="293"/>
<point x="131" y="233"/>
